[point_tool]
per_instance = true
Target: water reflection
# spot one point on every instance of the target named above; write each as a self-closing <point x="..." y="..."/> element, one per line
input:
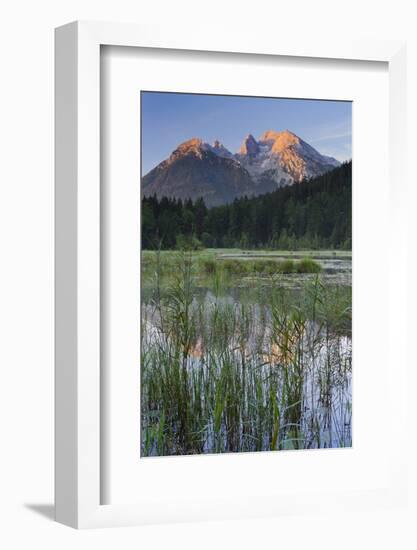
<point x="284" y="361"/>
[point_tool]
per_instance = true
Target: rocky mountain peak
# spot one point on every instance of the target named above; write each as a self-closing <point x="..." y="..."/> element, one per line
<point x="218" y="149"/>
<point x="192" y="146"/>
<point x="269" y="135"/>
<point x="284" y="140"/>
<point x="249" y="146"/>
<point x="279" y="140"/>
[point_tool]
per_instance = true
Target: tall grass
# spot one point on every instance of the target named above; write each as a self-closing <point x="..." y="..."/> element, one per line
<point x="229" y="376"/>
<point x="259" y="266"/>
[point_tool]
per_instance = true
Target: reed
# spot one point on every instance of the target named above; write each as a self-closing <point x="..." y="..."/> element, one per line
<point x="233" y="376"/>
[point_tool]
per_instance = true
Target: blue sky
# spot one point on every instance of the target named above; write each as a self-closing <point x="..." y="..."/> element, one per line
<point x="168" y="119"/>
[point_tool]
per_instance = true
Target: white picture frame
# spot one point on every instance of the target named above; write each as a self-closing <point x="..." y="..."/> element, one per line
<point x="77" y="394"/>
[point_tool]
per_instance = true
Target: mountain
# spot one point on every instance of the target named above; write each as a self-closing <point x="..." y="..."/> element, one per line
<point x="196" y="169"/>
<point x="282" y="158"/>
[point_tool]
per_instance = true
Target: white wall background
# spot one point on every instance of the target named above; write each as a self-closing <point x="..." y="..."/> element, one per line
<point x="26" y="272"/>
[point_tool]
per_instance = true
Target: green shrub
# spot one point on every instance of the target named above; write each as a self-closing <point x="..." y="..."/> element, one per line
<point x="235" y="267"/>
<point x="308" y="265"/>
<point x="257" y="265"/>
<point x="208" y="265"/>
<point x="286" y="266"/>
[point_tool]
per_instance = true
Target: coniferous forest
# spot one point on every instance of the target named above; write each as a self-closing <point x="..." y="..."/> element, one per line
<point x="313" y="214"/>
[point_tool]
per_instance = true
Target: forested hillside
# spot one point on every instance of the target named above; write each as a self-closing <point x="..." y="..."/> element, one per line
<point x="315" y="213"/>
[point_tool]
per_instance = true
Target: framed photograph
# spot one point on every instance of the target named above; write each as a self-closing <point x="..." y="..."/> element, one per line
<point x="246" y="302"/>
<point x="228" y="322"/>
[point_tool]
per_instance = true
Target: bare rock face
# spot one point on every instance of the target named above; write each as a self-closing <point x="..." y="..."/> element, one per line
<point x="249" y="146"/>
<point x="288" y="159"/>
<point x="284" y="141"/>
<point x="196" y="169"/>
<point x="219" y="149"/>
<point x="191" y="147"/>
<point x="269" y="136"/>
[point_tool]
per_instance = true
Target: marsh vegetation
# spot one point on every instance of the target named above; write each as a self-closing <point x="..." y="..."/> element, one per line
<point x="245" y="351"/>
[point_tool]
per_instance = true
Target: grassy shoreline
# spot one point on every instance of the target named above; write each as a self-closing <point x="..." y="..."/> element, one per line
<point x="245" y="267"/>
